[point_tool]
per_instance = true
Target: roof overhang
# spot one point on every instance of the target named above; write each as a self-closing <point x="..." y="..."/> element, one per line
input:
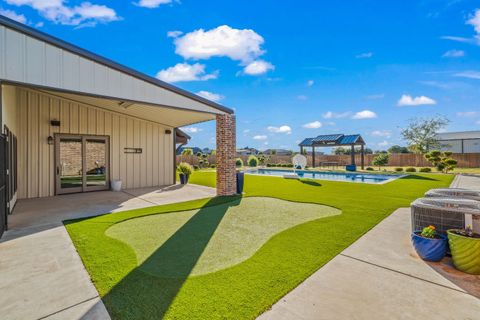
<point x="32" y="58"/>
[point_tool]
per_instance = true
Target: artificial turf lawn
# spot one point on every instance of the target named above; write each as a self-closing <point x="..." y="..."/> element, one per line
<point x="239" y="232"/>
<point x="244" y="290"/>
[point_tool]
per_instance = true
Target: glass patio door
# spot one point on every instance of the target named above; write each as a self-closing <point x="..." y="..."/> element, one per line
<point x="81" y="163"/>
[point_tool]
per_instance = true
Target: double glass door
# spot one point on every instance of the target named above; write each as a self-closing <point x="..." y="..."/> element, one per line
<point x="81" y="163"/>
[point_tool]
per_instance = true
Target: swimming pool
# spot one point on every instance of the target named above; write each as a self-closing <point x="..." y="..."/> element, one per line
<point x="335" y="176"/>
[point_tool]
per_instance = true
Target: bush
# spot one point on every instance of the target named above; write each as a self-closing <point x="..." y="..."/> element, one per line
<point x="441" y="160"/>
<point x="185" y="168"/>
<point x="213" y="166"/>
<point x="370" y="169"/>
<point x="239" y="162"/>
<point x="269" y="165"/>
<point x="410" y="169"/>
<point x="290" y="165"/>
<point x="425" y="170"/>
<point x="252" y="161"/>
<point x="399" y="169"/>
<point x="195" y="167"/>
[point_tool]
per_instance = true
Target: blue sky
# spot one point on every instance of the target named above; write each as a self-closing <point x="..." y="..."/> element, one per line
<point x="290" y="69"/>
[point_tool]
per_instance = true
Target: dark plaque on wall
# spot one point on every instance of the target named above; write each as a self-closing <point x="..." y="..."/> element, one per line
<point x="132" y="150"/>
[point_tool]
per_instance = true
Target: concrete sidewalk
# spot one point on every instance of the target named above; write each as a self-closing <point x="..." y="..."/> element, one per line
<point x="380" y="276"/>
<point x="42" y="276"/>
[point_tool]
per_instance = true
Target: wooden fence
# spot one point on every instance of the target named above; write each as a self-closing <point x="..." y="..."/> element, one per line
<point x="465" y="160"/>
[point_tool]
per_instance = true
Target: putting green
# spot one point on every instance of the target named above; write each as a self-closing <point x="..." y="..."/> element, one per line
<point x="202" y="241"/>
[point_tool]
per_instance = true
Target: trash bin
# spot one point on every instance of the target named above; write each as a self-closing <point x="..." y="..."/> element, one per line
<point x="240" y="182"/>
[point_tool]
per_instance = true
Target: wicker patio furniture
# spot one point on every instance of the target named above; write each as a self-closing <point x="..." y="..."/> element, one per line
<point x="453" y="193"/>
<point x="443" y="213"/>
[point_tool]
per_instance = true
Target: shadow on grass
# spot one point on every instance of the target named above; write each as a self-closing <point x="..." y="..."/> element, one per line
<point x="311" y="183"/>
<point x="148" y="291"/>
<point x="417" y="177"/>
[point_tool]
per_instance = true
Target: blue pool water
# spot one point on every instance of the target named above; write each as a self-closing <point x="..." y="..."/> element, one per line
<point x="335" y="176"/>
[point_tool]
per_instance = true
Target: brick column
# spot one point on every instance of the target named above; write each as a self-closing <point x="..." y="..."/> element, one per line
<point x="226" y="152"/>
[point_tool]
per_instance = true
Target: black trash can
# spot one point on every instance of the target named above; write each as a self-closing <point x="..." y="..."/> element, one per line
<point x="240" y="182"/>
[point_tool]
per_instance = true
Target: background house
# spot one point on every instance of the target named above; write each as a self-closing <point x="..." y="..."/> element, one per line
<point x="460" y="142"/>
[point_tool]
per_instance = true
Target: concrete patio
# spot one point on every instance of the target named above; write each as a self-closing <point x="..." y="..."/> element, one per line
<point x="380" y="276"/>
<point x="40" y="268"/>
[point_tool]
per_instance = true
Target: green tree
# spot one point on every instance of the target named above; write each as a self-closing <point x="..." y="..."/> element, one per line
<point x="421" y="133"/>
<point x="187" y="152"/>
<point x="441" y="160"/>
<point x="398" y="149"/>
<point x="381" y="160"/>
<point x="252" y="161"/>
<point x="340" y="151"/>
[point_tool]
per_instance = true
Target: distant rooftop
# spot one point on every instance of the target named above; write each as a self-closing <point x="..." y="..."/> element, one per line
<point x="459" y="135"/>
<point x="333" y="140"/>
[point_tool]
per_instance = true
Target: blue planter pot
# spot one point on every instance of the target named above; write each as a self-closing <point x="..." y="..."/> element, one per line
<point x="183" y="178"/>
<point x="430" y="249"/>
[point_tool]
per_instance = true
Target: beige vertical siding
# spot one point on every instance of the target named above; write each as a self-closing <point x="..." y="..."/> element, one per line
<point x="35" y="109"/>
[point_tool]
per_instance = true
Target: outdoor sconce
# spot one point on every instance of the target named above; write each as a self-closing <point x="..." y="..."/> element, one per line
<point x="168" y="131"/>
<point x="50" y="140"/>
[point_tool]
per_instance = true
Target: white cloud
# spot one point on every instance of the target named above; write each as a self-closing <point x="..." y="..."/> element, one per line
<point x="246" y="131"/>
<point x="258" y="67"/>
<point x="260" y="137"/>
<point x="468" y="74"/>
<point x="333" y="115"/>
<point x="467" y="114"/>
<point x="407" y="100"/>
<point x="302" y="97"/>
<point x="186" y="72"/>
<point x="384" y="143"/>
<point x="13" y="15"/>
<point x="174" y="34"/>
<point x="454" y="54"/>
<point x="475" y="21"/>
<point x="86" y="14"/>
<point x="210" y="95"/>
<point x="152" y="3"/>
<point x="310" y="83"/>
<point x="282" y="129"/>
<point x="312" y="125"/>
<point x="364" y="55"/>
<point x="365" y="114"/>
<point x="192" y="130"/>
<point x="382" y="133"/>
<point x="243" y="45"/>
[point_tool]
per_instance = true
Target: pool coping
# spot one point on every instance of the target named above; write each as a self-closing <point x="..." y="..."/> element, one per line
<point x="249" y="171"/>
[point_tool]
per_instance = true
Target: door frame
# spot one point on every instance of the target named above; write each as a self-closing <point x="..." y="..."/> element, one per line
<point x="84" y="188"/>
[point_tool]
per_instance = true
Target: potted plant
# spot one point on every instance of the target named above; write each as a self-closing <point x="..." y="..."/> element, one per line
<point x="429" y="244"/>
<point x="465" y="248"/>
<point x="184" y="171"/>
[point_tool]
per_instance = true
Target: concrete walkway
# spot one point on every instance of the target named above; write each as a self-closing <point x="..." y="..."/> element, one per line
<point x="42" y="276"/>
<point x="381" y="277"/>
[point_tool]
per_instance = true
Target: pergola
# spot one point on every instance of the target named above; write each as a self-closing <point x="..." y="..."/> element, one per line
<point x="336" y="140"/>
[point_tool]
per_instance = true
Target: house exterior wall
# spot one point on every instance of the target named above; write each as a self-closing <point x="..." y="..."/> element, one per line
<point x="36" y="171"/>
<point x="25" y="59"/>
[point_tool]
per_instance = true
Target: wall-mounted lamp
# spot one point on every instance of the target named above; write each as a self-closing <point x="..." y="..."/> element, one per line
<point x="55" y="123"/>
<point x="50" y="140"/>
<point x="168" y="131"/>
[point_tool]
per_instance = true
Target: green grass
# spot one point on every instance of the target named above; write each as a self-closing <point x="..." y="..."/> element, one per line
<point x="248" y="288"/>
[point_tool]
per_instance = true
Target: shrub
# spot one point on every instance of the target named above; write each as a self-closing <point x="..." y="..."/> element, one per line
<point x="269" y="165"/>
<point x="252" y="161"/>
<point x="213" y="166"/>
<point x="399" y="169"/>
<point x="425" y="170"/>
<point x="370" y="169"/>
<point x="185" y="168"/>
<point x="239" y="162"/>
<point x="187" y="152"/>
<point x="410" y="169"/>
<point x="289" y="165"/>
<point x="442" y="160"/>
<point x="195" y="167"/>
<point x="381" y="160"/>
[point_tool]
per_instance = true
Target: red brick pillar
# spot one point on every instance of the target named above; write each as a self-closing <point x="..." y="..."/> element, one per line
<point x="226" y="153"/>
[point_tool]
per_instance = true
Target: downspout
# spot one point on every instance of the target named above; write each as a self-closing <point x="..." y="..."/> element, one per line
<point x="174" y="155"/>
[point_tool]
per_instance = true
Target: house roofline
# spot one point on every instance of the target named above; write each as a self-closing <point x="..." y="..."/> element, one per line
<point x="17" y="26"/>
